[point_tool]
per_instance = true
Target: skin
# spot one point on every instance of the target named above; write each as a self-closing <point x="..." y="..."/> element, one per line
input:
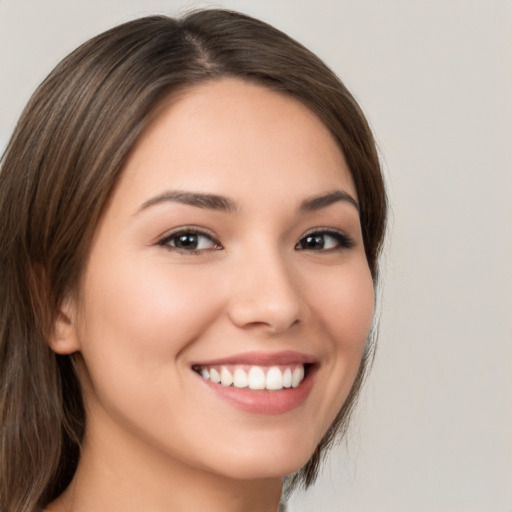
<point x="157" y="437"/>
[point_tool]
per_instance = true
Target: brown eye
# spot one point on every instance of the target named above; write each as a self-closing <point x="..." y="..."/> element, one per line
<point x="324" y="241"/>
<point x="189" y="241"/>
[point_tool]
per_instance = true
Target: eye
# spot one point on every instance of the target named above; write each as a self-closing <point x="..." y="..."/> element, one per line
<point x="325" y="240"/>
<point x="189" y="240"/>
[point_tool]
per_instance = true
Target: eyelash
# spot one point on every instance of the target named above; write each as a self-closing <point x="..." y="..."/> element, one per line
<point x="166" y="241"/>
<point x="342" y="240"/>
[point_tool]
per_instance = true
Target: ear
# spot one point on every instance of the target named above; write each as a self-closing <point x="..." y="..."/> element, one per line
<point x="64" y="338"/>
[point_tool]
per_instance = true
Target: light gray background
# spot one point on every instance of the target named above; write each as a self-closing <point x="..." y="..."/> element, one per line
<point x="434" y="430"/>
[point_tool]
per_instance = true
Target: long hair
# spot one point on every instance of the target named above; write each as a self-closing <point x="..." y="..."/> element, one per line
<point x="57" y="173"/>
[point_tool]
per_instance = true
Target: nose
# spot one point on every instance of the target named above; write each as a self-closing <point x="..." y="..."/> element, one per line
<point x="266" y="294"/>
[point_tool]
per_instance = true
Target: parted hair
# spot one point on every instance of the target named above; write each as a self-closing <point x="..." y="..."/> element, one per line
<point x="59" y="168"/>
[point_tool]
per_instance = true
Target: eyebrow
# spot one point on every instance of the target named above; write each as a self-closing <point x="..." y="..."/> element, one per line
<point x="324" y="200"/>
<point x="224" y="204"/>
<point x="207" y="201"/>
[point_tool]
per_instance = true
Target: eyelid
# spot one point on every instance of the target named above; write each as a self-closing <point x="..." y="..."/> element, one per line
<point x="164" y="239"/>
<point x="345" y="241"/>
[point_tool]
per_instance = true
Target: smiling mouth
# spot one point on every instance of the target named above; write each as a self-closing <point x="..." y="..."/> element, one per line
<point x="255" y="377"/>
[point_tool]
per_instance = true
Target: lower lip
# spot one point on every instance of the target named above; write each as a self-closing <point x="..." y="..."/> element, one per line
<point x="263" y="401"/>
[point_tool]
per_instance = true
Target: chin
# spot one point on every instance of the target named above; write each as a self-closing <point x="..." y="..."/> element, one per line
<point x="270" y="461"/>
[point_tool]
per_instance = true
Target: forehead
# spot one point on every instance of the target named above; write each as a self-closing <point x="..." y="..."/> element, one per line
<point x="232" y="137"/>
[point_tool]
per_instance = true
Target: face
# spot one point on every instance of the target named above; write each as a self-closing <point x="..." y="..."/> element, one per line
<point x="230" y="250"/>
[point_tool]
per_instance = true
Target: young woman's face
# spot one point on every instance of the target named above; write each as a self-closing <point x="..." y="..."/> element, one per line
<point x="231" y="248"/>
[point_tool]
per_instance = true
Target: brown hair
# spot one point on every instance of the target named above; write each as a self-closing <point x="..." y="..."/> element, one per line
<point x="65" y="157"/>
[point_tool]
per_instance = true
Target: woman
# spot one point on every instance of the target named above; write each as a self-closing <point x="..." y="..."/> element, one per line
<point x="192" y="212"/>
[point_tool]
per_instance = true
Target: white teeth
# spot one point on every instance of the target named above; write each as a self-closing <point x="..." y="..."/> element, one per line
<point x="240" y="379"/>
<point x="274" y="379"/>
<point x="256" y="378"/>
<point x="214" y="376"/>
<point x="297" y="376"/>
<point x="226" y="379"/>
<point x="287" y="378"/>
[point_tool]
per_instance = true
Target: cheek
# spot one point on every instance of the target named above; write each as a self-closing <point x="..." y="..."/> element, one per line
<point x="136" y="322"/>
<point x="344" y="307"/>
<point x="344" y="303"/>
<point x="139" y="318"/>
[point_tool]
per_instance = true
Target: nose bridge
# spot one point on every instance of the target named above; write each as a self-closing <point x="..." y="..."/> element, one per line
<point x="264" y="290"/>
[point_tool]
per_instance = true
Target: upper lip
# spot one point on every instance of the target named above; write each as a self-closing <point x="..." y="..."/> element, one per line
<point x="287" y="357"/>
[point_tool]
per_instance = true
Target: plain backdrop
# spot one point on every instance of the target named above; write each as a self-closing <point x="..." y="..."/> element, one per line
<point x="433" y="431"/>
